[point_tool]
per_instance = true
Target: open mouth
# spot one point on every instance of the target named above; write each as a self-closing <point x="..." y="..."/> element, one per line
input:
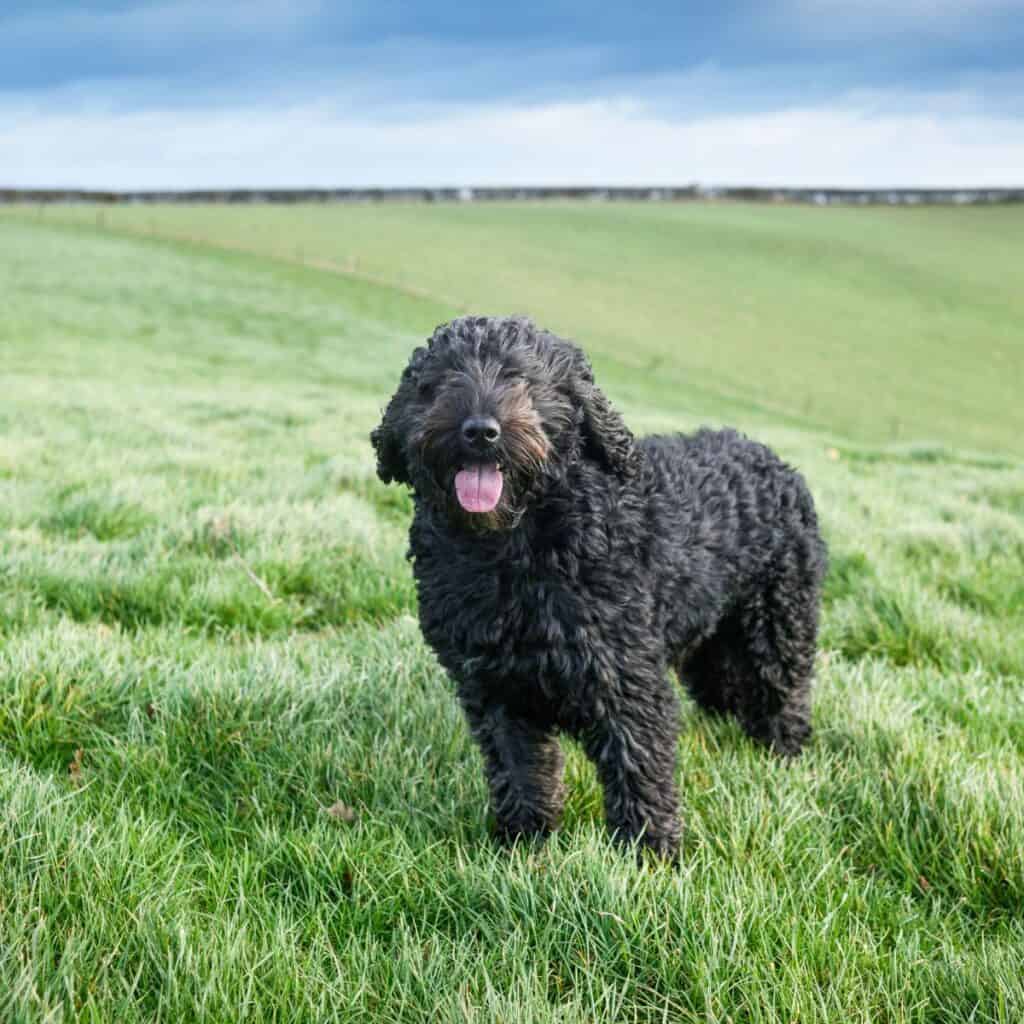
<point x="478" y="488"/>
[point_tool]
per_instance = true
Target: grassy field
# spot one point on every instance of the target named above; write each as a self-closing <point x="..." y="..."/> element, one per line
<point x="235" y="784"/>
<point x="905" y="324"/>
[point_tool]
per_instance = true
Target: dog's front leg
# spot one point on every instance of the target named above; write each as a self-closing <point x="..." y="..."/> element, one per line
<point x="633" y="745"/>
<point x="523" y="762"/>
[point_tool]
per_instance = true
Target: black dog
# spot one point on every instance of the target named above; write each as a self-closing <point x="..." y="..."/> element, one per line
<point x="563" y="568"/>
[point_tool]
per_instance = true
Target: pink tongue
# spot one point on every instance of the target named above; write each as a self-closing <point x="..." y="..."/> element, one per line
<point x="478" y="488"/>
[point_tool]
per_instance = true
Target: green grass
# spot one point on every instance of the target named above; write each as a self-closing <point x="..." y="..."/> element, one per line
<point x="886" y="325"/>
<point x="208" y="638"/>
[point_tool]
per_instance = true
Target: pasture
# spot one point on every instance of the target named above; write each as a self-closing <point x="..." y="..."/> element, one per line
<point x="235" y="784"/>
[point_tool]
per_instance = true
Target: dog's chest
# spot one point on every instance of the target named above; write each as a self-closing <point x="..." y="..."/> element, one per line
<point x="520" y="619"/>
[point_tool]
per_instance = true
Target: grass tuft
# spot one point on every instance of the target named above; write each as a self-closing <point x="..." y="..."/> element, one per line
<point x="105" y="518"/>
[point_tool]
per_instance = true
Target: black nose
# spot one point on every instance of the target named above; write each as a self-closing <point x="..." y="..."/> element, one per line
<point x="481" y="431"/>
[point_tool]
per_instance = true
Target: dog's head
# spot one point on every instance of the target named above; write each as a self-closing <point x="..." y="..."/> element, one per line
<point x="490" y="414"/>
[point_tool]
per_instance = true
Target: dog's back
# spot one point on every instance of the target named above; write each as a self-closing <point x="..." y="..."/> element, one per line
<point x="709" y="456"/>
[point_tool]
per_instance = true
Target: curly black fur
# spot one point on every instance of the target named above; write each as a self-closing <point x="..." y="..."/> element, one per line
<point x="606" y="562"/>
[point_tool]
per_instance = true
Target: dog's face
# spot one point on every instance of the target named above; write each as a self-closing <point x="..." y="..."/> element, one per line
<point x="489" y="415"/>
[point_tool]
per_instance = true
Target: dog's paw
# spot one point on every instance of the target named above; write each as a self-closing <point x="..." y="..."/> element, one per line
<point x="524" y="833"/>
<point x="651" y="844"/>
<point x="784" y="736"/>
<point x="661" y="848"/>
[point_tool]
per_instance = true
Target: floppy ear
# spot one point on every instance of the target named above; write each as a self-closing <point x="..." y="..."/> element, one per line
<point x="606" y="438"/>
<point x="391" y="465"/>
<point x="387" y="438"/>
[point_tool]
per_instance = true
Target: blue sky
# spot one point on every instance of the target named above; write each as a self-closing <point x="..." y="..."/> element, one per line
<point x="186" y="93"/>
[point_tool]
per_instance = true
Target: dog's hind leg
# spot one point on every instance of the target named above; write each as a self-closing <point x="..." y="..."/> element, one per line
<point x="780" y="632"/>
<point x="523" y="763"/>
<point x="758" y="666"/>
<point x="718" y="672"/>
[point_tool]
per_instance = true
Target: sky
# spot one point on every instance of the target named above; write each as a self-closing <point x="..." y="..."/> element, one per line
<point x="272" y="93"/>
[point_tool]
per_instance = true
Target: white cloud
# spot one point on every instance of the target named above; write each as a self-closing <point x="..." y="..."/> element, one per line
<point x="601" y="142"/>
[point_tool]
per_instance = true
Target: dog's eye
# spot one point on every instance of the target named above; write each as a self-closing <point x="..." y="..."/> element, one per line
<point x="426" y="391"/>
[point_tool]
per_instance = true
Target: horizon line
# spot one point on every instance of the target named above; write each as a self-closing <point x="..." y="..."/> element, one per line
<point x="469" y="193"/>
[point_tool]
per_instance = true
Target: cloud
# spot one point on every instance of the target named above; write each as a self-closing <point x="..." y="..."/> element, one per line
<point x="211" y="52"/>
<point x="610" y="142"/>
<point x="41" y="46"/>
<point x="178" y="93"/>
